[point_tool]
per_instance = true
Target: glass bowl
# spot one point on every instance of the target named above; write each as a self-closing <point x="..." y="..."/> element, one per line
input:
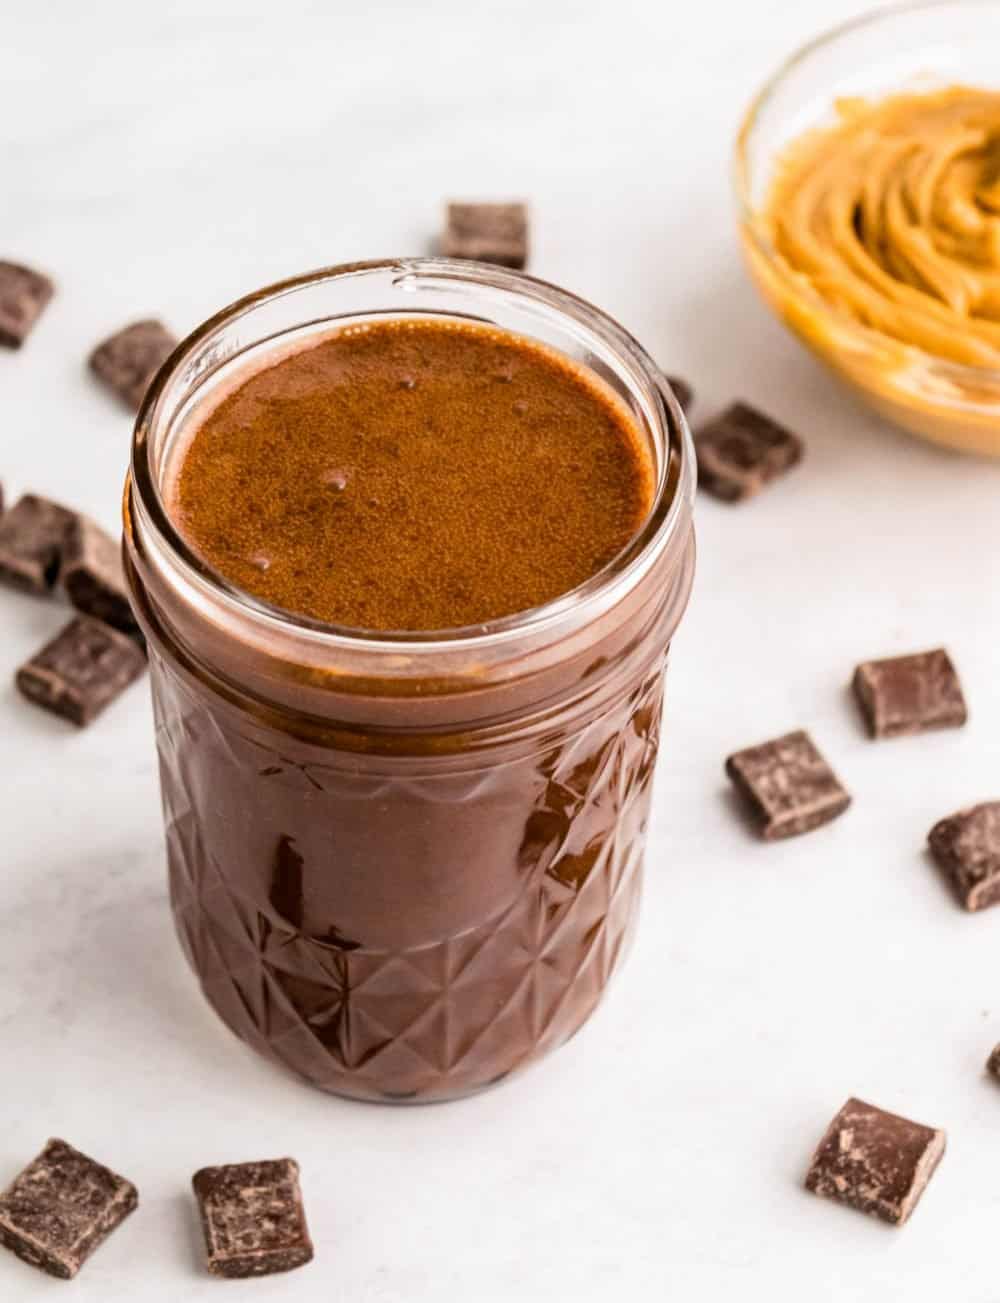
<point x="909" y="47"/>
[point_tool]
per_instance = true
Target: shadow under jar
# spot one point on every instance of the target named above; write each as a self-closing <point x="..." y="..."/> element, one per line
<point x="406" y="865"/>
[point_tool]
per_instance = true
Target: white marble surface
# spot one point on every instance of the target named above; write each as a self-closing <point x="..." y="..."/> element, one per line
<point x="168" y="158"/>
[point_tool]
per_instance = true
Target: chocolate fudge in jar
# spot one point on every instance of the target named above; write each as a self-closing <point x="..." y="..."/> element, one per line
<point x="408" y="542"/>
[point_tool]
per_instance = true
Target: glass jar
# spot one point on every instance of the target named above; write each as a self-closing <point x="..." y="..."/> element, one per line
<point x="404" y="866"/>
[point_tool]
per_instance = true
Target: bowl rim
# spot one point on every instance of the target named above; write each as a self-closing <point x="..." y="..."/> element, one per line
<point x="959" y="373"/>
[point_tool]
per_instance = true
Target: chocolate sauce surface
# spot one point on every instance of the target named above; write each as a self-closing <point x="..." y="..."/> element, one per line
<point x="413" y="474"/>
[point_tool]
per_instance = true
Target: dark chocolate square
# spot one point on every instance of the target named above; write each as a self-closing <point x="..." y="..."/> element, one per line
<point x="253" y="1218"/>
<point x="787" y="785"/>
<point x="876" y="1162"/>
<point x="81" y="671"/>
<point x="127" y="362"/>
<point x="741" y="451"/>
<point x="93" y="576"/>
<point x="31" y="541"/>
<point x="62" y="1206"/>
<point x="907" y="694"/>
<point x="682" y="392"/>
<point x="967" y="847"/>
<point x="993" y="1062"/>
<point x="24" y="294"/>
<point x="495" y="233"/>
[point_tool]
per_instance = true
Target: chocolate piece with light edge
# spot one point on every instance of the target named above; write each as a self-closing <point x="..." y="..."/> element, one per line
<point x="32" y="534"/>
<point x="61" y="1208"/>
<point x="741" y="451"/>
<point x="876" y="1162"/>
<point x="253" y="1218"/>
<point x="24" y="294"/>
<point x="93" y="577"/>
<point x="495" y="233"/>
<point x="128" y="360"/>
<point x="787" y="786"/>
<point x="966" y="845"/>
<point x="81" y="671"/>
<point x="908" y="694"/>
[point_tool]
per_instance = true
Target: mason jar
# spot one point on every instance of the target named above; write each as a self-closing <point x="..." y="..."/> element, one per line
<point x="405" y="866"/>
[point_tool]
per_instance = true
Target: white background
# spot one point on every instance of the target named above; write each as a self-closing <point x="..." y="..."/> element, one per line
<point x="167" y="158"/>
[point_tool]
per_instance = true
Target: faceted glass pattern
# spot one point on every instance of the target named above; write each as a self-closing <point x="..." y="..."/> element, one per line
<point x="289" y="862"/>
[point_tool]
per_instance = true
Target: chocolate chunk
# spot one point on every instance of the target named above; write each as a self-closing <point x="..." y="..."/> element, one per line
<point x="23" y="296"/>
<point x="993" y="1063"/>
<point x="741" y="451"/>
<point x="31" y="540"/>
<point x="93" y="577"/>
<point x="61" y="1207"/>
<point x="127" y="361"/>
<point x="907" y="694"/>
<point x="487" y="233"/>
<point x="253" y="1218"/>
<point x="875" y="1161"/>
<point x="788" y="786"/>
<point x="81" y="671"/>
<point x="682" y="392"/>
<point x="967" y="847"/>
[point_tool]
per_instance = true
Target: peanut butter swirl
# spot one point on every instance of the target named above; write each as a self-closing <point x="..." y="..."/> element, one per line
<point x="893" y="217"/>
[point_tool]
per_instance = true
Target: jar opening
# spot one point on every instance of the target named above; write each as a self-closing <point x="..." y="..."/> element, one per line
<point x="288" y="313"/>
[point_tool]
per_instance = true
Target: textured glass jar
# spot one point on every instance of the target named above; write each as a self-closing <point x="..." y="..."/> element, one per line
<point x="404" y="866"/>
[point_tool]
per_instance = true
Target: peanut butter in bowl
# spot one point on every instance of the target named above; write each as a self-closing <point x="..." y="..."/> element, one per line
<point x="871" y="222"/>
<point x="893" y="216"/>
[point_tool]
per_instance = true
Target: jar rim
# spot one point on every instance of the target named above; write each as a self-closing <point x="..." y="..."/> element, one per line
<point x="667" y="520"/>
